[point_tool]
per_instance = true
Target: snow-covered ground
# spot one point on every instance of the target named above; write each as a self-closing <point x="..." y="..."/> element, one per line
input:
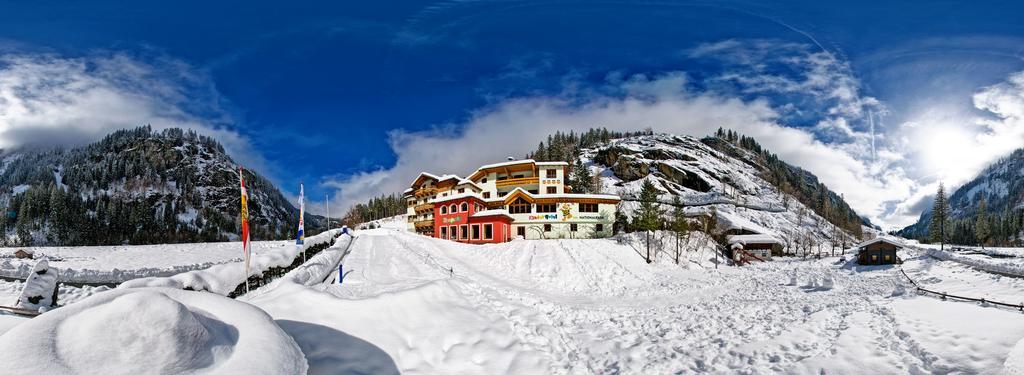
<point x="114" y="264"/>
<point x="421" y="305"/>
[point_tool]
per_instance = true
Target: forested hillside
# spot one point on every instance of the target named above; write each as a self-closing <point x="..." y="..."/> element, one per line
<point x="1001" y="187"/>
<point x="136" y="186"/>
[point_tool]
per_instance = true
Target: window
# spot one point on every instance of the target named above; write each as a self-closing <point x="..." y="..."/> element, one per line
<point x="552" y="190"/>
<point x="453" y="209"/>
<point x="444" y="210"/>
<point x="518" y="175"/>
<point x="588" y="207"/>
<point x="464" y="207"/>
<point x="551" y="173"/>
<point x="547" y="227"/>
<point x="521" y="232"/>
<point x="444" y="233"/>
<point x="484" y="181"/>
<point x="463" y="232"/>
<point x="887" y="258"/>
<point x="874" y="258"/>
<point x="547" y="207"/>
<point x="519" y="206"/>
<point x="487" y="194"/>
<point x="573" y="227"/>
<point x="533" y="191"/>
<point x="463" y="190"/>
<point x="476" y="231"/>
<point x="488" y="231"/>
<point x="599" y="228"/>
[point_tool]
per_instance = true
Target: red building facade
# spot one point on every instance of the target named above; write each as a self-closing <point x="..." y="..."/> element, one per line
<point x="466" y="219"/>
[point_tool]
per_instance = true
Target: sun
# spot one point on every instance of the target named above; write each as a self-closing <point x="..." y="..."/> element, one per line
<point x="945" y="150"/>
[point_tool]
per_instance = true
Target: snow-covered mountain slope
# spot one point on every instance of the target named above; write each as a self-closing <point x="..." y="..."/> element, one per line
<point x="136" y="186"/>
<point x="1001" y="184"/>
<point x="733" y="183"/>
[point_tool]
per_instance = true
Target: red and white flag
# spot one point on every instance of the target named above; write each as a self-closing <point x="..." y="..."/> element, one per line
<point x="245" y="223"/>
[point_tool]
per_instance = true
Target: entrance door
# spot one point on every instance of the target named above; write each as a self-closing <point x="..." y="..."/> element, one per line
<point x="521" y="231"/>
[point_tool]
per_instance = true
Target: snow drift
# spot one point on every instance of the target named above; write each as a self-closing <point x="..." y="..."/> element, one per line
<point x="153" y="330"/>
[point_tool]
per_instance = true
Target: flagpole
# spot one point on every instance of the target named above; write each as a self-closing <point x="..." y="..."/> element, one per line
<point x="245" y="226"/>
<point x="328" y="203"/>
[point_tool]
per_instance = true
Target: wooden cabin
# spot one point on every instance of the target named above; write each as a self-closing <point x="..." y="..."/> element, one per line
<point x="880" y="250"/>
<point x="23" y="254"/>
<point x="753" y="246"/>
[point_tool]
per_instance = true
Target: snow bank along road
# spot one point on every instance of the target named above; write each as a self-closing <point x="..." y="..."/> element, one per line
<point x="418" y="305"/>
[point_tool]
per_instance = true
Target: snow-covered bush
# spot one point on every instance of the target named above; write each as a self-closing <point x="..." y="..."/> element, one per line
<point x="40" y="288"/>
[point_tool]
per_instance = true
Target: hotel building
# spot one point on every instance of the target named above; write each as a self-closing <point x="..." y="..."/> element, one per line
<point x="498" y="202"/>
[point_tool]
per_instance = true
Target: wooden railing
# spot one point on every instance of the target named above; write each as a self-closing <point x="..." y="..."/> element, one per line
<point x="425" y="192"/>
<point x="423" y="223"/>
<point x="423" y="207"/>
<point x="517" y="181"/>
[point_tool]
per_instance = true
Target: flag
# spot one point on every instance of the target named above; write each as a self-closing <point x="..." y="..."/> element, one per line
<point x="245" y="222"/>
<point x="301" y="237"/>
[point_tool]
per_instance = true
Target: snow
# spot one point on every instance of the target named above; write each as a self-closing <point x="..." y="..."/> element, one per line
<point x="154" y="330"/>
<point x="420" y="305"/>
<point x="20" y="189"/>
<point x="1007" y="266"/>
<point x="37" y="293"/>
<point x="744" y="239"/>
<point x="888" y="240"/>
<point x="224" y="278"/>
<point x="494" y="212"/>
<point x="114" y="264"/>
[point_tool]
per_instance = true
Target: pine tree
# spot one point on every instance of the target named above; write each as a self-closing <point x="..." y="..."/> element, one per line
<point x="938" y="229"/>
<point x="648" y="217"/>
<point x="680" y="225"/>
<point x="981" y="229"/>
<point x="581" y="180"/>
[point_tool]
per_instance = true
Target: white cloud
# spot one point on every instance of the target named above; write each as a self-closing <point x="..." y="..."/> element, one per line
<point x="515" y="126"/>
<point x="669" y="103"/>
<point x="52" y="100"/>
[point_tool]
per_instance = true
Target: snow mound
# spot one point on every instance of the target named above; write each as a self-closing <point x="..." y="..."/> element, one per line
<point x="151" y="330"/>
<point x="39" y="288"/>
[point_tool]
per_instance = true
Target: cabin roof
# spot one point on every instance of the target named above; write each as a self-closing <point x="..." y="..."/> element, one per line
<point x="880" y="239"/>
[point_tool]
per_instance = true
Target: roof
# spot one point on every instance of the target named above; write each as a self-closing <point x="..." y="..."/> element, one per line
<point x="550" y="163"/>
<point x="468" y="194"/>
<point x="744" y="239"/>
<point x="497" y="212"/>
<point x="888" y="240"/>
<point x="530" y="196"/>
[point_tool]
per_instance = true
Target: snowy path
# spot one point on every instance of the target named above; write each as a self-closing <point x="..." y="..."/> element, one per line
<point x="593" y="306"/>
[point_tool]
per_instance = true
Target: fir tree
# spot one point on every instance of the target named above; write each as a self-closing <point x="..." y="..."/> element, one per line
<point x="981" y="228"/>
<point x="938" y="229"/>
<point x="648" y="217"/>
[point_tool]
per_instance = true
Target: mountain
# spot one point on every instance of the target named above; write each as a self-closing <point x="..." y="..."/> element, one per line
<point x="746" y="186"/>
<point x="137" y="186"/>
<point x="1002" y="186"/>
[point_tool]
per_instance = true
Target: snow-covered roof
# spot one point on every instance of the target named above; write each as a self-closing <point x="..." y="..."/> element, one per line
<point x="729" y="221"/>
<point x="551" y="163"/>
<point x="880" y="239"/>
<point x="507" y="163"/>
<point x="458" y="196"/>
<point x="562" y="195"/>
<point x="497" y="212"/>
<point x="744" y="239"/>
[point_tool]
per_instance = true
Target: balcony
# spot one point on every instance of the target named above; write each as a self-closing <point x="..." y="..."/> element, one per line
<point x="424" y="192"/>
<point x="517" y="181"/>
<point x="423" y="207"/>
<point x="423" y="223"/>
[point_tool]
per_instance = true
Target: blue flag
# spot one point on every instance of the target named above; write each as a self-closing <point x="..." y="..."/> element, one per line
<point x="301" y="236"/>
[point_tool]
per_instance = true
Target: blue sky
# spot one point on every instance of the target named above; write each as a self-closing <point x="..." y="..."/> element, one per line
<point x="354" y="97"/>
